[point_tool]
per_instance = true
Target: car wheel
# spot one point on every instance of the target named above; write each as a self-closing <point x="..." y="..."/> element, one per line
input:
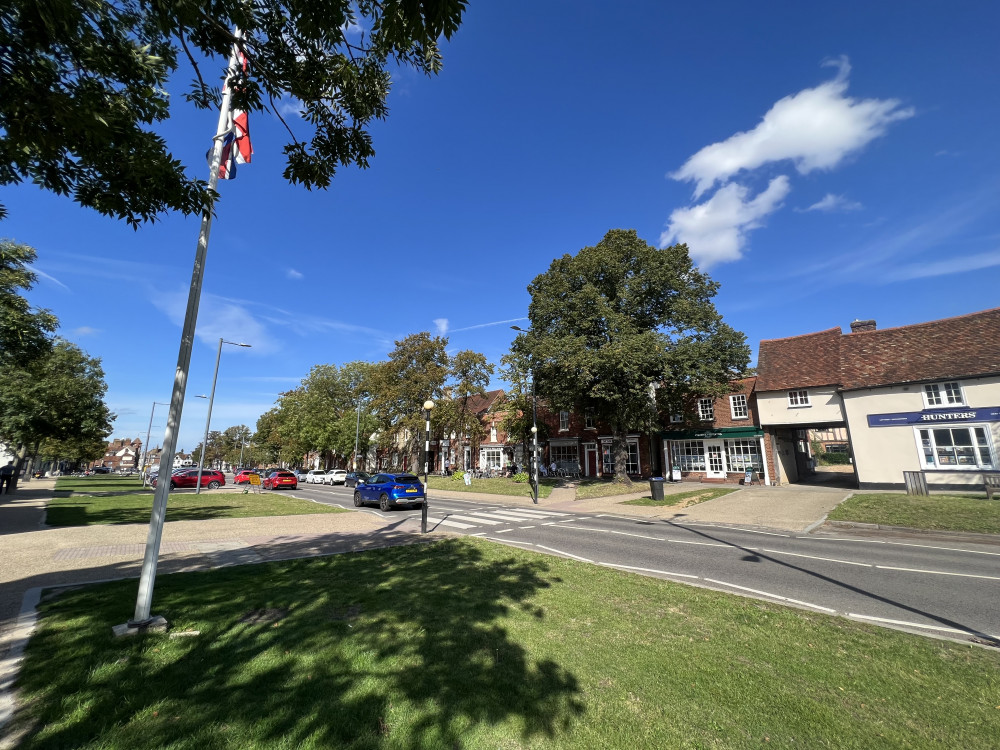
<point x="173" y="486"/>
<point x="213" y="485"/>
<point x="383" y="503"/>
<point x="357" y="500"/>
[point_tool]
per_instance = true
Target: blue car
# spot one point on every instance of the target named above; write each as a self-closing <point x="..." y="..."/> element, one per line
<point x="389" y="491"/>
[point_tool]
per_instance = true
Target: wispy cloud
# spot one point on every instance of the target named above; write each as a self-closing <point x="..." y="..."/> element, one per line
<point x="814" y="129"/>
<point x="85" y="331"/>
<point x="487" y="325"/>
<point x="218" y="317"/>
<point x="48" y="277"/>
<point x="831" y="203"/>
<point x="947" y="267"/>
<point x="716" y="231"/>
<point x="441" y="324"/>
<point x="293" y="274"/>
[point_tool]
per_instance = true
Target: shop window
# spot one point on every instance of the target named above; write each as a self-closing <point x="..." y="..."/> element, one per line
<point x="706" y="410"/>
<point x="564" y="456"/>
<point x="608" y="458"/>
<point x="490" y="458"/>
<point x="943" y="394"/>
<point x="798" y="398"/>
<point x="743" y="455"/>
<point x="689" y="454"/>
<point x="956" y="448"/>
<point x="738" y="406"/>
<point x="563" y="421"/>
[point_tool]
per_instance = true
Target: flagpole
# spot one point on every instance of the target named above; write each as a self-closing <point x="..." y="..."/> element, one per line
<point x="147" y="577"/>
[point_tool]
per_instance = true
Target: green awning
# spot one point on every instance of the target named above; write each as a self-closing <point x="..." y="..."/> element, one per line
<point x="726" y="433"/>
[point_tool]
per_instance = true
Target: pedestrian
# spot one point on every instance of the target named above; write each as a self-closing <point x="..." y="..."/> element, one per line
<point x="6" y="476"/>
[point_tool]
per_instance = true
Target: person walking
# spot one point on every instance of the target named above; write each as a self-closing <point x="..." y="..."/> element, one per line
<point x="6" y="477"/>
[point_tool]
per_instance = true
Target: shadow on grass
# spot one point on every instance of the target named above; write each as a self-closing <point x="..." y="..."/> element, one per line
<point x="84" y="515"/>
<point x="405" y="647"/>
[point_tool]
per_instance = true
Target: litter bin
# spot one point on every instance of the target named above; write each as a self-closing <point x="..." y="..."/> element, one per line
<point x="656" y="487"/>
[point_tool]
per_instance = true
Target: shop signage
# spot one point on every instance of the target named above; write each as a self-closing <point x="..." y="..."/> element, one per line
<point x="935" y="416"/>
<point x="720" y="432"/>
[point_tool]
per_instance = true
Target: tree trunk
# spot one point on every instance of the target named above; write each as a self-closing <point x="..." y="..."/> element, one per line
<point x="619" y="448"/>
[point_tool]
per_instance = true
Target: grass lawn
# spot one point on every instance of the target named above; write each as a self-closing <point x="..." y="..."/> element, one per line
<point x="132" y="504"/>
<point x="466" y="644"/>
<point x="498" y="486"/>
<point x="588" y="488"/>
<point x="688" y="498"/>
<point x="937" y="512"/>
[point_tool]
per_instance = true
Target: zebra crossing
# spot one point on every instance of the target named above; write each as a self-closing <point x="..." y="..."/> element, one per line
<point x="471" y="519"/>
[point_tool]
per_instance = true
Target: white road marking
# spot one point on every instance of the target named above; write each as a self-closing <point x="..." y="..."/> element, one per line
<point x="538" y="513"/>
<point x="736" y="528"/>
<point x="477" y="519"/>
<point x="620" y="518"/>
<point x="481" y="533"/>
<point x="511" y="541"/>
<point x="772" y="596"/>
<point x="445" y="522"/>
<point x="816" y="557"/>
<point x="567" y="554"/>
<point x="919" y="625"/>
<point x="946" y="549"/>
<point x="506" y="515"/>
<point x="506" y="531"/>
<point x="526" y="527"/>
<point x="841" y="539"/>
<point x="612" y="531"/>
<point x="648" y="570"/>
<point x="938" y="572"/>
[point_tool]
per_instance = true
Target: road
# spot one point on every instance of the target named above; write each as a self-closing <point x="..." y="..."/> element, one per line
<point x="943" y="588"/>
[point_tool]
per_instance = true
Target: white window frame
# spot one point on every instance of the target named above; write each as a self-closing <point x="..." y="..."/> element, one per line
<point x="689" y="454"/>
<point x="588" y="419"/>
<point x="948" y="393"/>
<point x="676" y="418"/>
<point x="491" y="458"/>
<point x="798" y="399"/>
<point x="493" y="433"/>
<point x="929" y="454"/>
<point x="564" y="421"/>
<point x="706" y="406"/>
<point x="738" y="408"/>
<point x="608" y="457"/>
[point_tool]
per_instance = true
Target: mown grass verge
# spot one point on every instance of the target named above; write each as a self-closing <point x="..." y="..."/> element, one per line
<point x="497" y="486"/>
<point x="462" y="643"/>
<point x="683" y="498"/>
<point x="932" y="512"/>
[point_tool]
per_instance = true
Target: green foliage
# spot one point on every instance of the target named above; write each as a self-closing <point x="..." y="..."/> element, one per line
<point x="458" y="476"/>
<point x="24" y="331"/>
<point x="620" y="321"/>
<point x="521" y="477"/>
<point x="84" y="81"/>
<point x="839" y="459"/>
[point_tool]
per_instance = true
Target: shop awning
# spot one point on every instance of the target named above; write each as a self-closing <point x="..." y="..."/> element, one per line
<point x="726" y="433"/>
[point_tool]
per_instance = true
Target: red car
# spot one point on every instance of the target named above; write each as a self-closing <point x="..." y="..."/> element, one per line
<point x="280" y="480"/>
<point x="244" y="476"/>
<point x="189" y="478"/>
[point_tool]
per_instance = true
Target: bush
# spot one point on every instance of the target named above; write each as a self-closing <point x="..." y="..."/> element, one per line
<point x="521" y="476"/>
<point x="458" y="476"/>
<point x="834" y="458"/>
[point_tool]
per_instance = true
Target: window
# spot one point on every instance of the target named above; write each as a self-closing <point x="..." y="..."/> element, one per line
<point x="493" y="433"/>
<point x="738" y="406"/>
<point x="690" y="454"/>
<point x="956" y="448"/>
<point x="743" y="455"/>
<point x="564" y="454"/>
<point x="676" y="418"/>
<point x="836" y="447"/>
<point x="490" y="458"/>
<point x="798" y="398"/>
<point x="608" y="458"/>
<point x="943" y="394"/>
<point x="564" y="420"/>
<point x="706" y="410"/>
<point x="588" y="419"/>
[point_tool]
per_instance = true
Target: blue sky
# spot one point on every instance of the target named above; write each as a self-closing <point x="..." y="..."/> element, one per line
<point x="824" y="163"/>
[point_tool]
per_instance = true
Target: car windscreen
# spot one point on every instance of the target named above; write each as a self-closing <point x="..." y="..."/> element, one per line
<point x="407" y="479"/>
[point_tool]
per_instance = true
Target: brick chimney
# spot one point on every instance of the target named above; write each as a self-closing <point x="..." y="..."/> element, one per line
<point x="863" y="325"/>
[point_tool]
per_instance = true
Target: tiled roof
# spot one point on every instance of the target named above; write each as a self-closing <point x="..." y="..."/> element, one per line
<point x="480" y="404"/>
<point x="965" y="346"/>
<point x="800" y="361"/>
<point x="951" y="348"/>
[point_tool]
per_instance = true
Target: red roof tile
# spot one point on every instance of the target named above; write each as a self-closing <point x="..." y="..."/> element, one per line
<point x="800" y="361"/>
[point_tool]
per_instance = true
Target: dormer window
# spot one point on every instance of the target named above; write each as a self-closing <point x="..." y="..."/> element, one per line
<point x="738" y="406"/>
<point x="798" y="398"/>
<point x="943" y="394"/>
<point x="706" y="410"/>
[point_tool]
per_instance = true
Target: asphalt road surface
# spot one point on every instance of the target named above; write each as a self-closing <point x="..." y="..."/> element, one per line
<point x="932" y="587"/>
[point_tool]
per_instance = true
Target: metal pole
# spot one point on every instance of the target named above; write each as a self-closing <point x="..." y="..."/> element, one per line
<point x="147" y="577"/>
<point x="357" y="434"/>
<point x="243" y="443"/>
<point x="208" y="420"/>
<point x="145" y="446"/>
<point x="534" y="432"/>
<point x="427" y="454"/>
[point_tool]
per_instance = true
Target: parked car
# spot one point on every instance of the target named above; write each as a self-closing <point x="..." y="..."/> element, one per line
<point x="353" y="477"/>
<point x="335" y="476"/>
<point x="189" y="478"/>
<point x="313" y="476"/>
<point x="281" y="479"/>
<point x="102" y="470"/>
<point x="244" y="476"/>
<point x="390" y="490"/>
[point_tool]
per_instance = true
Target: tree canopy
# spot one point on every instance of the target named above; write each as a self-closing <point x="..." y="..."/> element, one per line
<point x="621" y="321"/>
<point x="85" y="81"/>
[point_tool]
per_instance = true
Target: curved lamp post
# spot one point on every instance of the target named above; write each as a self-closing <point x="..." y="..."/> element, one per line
<point x="211" y="400"/>
<point x="428" y="405"/>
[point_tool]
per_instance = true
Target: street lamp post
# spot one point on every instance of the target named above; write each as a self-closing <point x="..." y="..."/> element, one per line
<point x="428" y="405"/>
<point x="357" y="434"/>
<point x="534" y="428"/>
<point x="243" y="443"/>
<point x="145" y="446"/>
<point x="211" y="400"/>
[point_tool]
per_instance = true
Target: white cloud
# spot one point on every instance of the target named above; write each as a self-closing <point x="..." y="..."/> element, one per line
<point x="715" y="231"/>
<point x="85" y="331"/>
<point x="293" y="274"/>
<point x="218" y="317"/>
<point x="48" y="277"/>
<point x="814" y="129"/>
<point x="946" y="267"/>
<point x="442" y="326"/>
<point x="831" y="203"/>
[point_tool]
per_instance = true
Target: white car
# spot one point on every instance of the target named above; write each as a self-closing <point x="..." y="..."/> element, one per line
<point x="335" y="476"/>
<point x="314" y="476"/>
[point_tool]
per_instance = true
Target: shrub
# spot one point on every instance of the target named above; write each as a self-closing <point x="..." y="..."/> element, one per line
<point x="458" y="476"/>
<point x="834" y="458"/>
<point x="521" y="476"/>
